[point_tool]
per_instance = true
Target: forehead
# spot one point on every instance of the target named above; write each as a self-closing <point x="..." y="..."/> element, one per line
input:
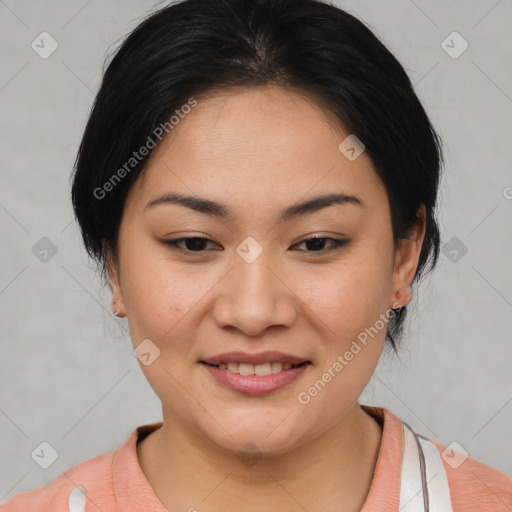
<point x="257" y="146"/>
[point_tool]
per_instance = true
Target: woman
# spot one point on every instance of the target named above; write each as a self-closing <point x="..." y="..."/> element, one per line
<point x="258" y="183"/>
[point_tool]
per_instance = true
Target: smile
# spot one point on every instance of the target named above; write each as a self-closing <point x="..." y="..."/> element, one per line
<point x="260" y="379"/>
<point x="261" y="370"/>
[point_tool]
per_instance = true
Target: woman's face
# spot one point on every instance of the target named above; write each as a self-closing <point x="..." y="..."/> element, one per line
<point x="259" y="284"/>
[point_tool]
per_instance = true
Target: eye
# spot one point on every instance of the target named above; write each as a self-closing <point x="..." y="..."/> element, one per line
<point x="192" y="244"/>
<point x="316" y="243"/>
<point x="198" y="244"/>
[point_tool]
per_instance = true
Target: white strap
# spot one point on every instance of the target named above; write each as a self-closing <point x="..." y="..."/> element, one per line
<point x="411" y="486"/>
<point x="423" y="483"/>
<point x="438" y="487"/>
<point x="76" y="501"/>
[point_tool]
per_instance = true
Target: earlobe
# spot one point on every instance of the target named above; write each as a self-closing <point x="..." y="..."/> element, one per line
<point x="407" y="259"/>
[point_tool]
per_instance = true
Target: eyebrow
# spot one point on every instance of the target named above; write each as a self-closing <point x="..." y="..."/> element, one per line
<point x="215" y="209"/>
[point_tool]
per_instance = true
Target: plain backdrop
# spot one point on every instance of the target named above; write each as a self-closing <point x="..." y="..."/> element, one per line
<point x="68" y="375"/>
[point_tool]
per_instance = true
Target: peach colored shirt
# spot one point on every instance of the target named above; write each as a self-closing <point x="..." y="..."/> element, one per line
<point x="114" y="481"/>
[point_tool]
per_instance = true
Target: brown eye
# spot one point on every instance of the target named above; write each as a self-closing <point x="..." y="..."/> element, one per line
<point x="199" y="245"/>
<point x="192" y="244"/>
<point x="317" y="243"/>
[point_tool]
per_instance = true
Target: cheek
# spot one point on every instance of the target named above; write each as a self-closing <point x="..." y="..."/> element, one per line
<point x="349" y="303"/>
<point x="154" y="297"/>
<point x="350" y="308"/>
<point x="348" y="297"/>
<point x="162" y="296"/>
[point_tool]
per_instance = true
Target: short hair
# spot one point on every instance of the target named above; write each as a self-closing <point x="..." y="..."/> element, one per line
<point x="196" y="47"/>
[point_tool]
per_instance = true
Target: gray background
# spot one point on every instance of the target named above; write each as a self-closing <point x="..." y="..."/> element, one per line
<point x="68" y="375"/>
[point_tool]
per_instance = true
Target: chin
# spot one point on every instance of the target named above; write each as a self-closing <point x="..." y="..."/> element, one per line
<point x="271" y="436"/>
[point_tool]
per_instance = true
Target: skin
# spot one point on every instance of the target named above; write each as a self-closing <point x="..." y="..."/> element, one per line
<point x="258" y="151"/>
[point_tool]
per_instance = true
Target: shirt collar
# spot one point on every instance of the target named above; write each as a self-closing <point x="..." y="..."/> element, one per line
<point x="384" y="493"/>
<point x="132" y="491"/>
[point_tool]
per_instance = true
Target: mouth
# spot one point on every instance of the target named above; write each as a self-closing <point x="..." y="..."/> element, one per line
<point x="256" y="379"/>
<point x="261" y="370"/>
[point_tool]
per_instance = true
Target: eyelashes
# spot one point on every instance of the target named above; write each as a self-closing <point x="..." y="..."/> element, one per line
<point x="196" y="245"/>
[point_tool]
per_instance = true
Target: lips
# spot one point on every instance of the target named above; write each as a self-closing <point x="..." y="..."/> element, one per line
<point x="254" y="359"/>
<point x="255" y="385"/>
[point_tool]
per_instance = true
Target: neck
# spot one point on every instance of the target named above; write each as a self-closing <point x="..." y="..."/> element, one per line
<point x="331" y="472"/>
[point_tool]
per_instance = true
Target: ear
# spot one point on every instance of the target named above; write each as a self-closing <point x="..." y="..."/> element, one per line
<point x="406" y="261"/>
<point x="113" y="275"/>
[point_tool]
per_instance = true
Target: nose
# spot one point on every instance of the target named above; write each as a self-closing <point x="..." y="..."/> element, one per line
<point x="254" y="297"/>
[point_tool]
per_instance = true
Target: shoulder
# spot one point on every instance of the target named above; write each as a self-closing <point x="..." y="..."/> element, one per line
<point x="473" y="484"/>
<point x="94" y="475"/>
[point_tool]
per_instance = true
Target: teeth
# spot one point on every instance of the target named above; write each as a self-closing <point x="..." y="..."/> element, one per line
<point x="258" y="369"/>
